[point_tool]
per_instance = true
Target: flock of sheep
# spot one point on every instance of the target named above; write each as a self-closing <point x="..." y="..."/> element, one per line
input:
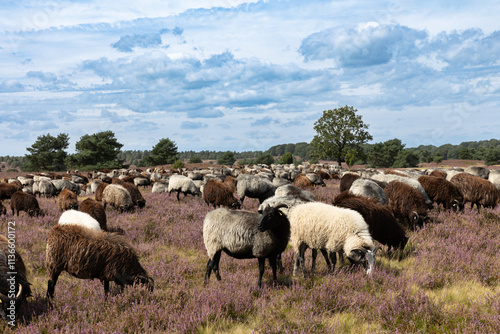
<point x="373" y="208"/>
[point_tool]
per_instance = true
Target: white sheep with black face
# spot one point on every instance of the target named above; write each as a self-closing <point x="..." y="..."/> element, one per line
<point x="332" y="229"/>
<point x="182" y="184"/>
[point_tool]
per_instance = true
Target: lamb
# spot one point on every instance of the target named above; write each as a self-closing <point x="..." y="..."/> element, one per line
<point x="135" y="194"/>
<point x="218" y="193"/>
<point x="22" y="289"/>
<point x="8" y="189"/>
<point x="67" y="200"/>
<point x="182" y="184"/>
<point x="370" y="189"/>
<point x="96" y="210"/>
<point x="254" y="187"/>
<point x="476" y="190"/>
<point x="118" y="197"/>
<point x="21" y="201"/>
<point x="347" y="180"/>
<point x="406" y="203"/>
<point x="90" y="254"/>
<point x="442" y="191"/>
<point x="302" y="181"/>
<point x="79" y="218"/>
<point x="245" y="235"/>
<point x="382" y="224"/>
<point x="331" y="229"/>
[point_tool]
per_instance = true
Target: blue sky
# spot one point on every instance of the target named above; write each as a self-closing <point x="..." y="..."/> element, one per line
<point x="245" y="75"/>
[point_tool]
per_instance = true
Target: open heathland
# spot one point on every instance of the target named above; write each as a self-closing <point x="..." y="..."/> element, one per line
<point x="446" y="280"/>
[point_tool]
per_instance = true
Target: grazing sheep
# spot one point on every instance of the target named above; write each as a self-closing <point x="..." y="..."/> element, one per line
<point x="90" y="254"/>
<point x="79" y="218"/>
<point x="442" y="191"/>
<point x="245" y="235"/>
<point x="8" y="189"/>
<point x="96" y="210"/>
<point x="160" y="186"/>
<point x="67" y="200"/>
<point x="382" y="224"/>
<point x="217" y="193"/>
<point x="118" y="197"/>
<point x="182" y="184"/>
<point x="291" y="190"/>
<point x="142" y="181"/>
<point x="368" y="188"/>
<point x="316" y="179"/>
<point x="44" y="188"/>
<point x="481" y="172"/>
<point x="407" y="180"/>
<point x="406" y="203"/>
<point x="65" y="184"/>
<point x="21" y="201"/>
<point x="254" y="187"/>
<point x="302" y="181"/>
<point x="437" y="173"/>
<point x="331" y="229"/>
<point x="494" y="178"/>
<point x="476" y="190"/>
<point x="11" y="300"/>
<point x="135" y="194"/>
<point x="231" y="182"/>
<point x="93" y="186"/>
<point x="100" y="190"/>
<point x="347" y="180"/>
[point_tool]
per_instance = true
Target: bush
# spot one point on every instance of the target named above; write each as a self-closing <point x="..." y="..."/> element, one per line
<point x="195" y="160"/>
<point x="178" y="164"/>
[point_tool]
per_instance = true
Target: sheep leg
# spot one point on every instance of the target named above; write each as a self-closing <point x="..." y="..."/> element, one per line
<point x="262" y="262"/>
<point x="106" y="289"/>
<point x="272" y="262"/>
<point x="178" y="199"/>
<point x="327" y="257"/>
<point x="208" y="271"/>
<point x="215" y="265"/>
<point x="313" y="261"/>
<point x="51" y="285"/>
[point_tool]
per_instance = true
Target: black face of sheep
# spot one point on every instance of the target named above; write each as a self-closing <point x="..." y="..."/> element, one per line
<point x="364" y="257"/>
<point x="417" y="220"/>
<point x="271" y="217"/>
<point x="457" y="206"/>
<point x="9" y="306"/>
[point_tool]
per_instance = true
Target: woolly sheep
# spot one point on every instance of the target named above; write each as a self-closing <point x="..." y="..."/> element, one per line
<point x="8" y="189"/>
<point x="245" y="235"/>
<point x="254" y="187"/>
<point x="481" y="172"/>
<point x="160" y="187"/>
<point x="347" y="180"/>
<point x="476" y="190"/>
<point x="442" y="191"/>
<point x="117" y="196"/>
<point x="65" y="184"/>
<point x="494" y="178"/>
<point x="67" y="200"/>
<point x="79" y="218"/>
<point x="21" y="201"/>
<point x="291" y="190"/>
<point x="407" y="180"/>
<point x="182" y="184"/>
<point x="218" y="193"/>
<point x="406" y="203"/>
<point x="332" y="229"/>
<point x="90" y="254"/>
<point x="368" y="188"/>
<point x="96" y="210"/>
<point x="45" y="188"/>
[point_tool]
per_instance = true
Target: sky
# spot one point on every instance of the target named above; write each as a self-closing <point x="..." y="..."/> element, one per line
<point x="246" y="75"/>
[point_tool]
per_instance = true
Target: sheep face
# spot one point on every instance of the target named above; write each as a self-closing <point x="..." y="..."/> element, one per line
<point x="457" y="206"/>
<point x="146" y="281"/>
<point x="365" y="257"/>
<point x="417" y="220"/>
<point x="6" y="302"/>
<point x="271" y="217"/>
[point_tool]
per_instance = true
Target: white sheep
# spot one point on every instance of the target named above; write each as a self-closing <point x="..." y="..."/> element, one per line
<point x="76" y="217"/>
<point x="332" y="229"/>
<point x="182" y="184"/>
<point x="254" y="187"/>
<point x="117" y="196"/>
<point x="368" y="188"/>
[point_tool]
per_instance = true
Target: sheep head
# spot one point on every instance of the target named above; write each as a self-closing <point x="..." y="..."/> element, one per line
<point x="147" y="281"/>
<point x="6" y="302"/>
<point x="364" y="256"/>
<point x="272" y="217"/>
<point x="457" y="205"/>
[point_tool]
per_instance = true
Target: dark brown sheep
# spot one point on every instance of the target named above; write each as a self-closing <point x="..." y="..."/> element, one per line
<point x="8" y="189"/>
<point x="89" y="254"/>
<point x="347" y="180"/>
<point x="324" y="175"/>
<point x="22" y="288"/>
<point x="96" y="210"/>
<point x="218" y="194"/>
<point x="67" y="200"/>
<point x="406" y="203"/>
<point x="21" y="201"/>
<point x="442" y="191"/>
<point x="438" y="173"/>
<point x="100" y="190"/>
<point x="476" y="190"/>
<point x="231" y="182"/>
<point x="382" y="224"/>
<point x="302" y="181"/>
<point x="135" y="193"/>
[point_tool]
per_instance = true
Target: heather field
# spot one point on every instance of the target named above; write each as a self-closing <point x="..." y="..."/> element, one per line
<point x="445" y="281"/>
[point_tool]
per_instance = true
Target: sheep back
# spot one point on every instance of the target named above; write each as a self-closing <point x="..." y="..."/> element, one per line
<point x="476" y="190"/>
<point x="96" y="210"/>
<point x="218" y="193"/>
<point x="254" y="187"/>
<point x="21" y="201"/>
<point x="67" y="200"/>
<point x="347" y="180"/>
<point x="117" y="196"/>
<point x="406" y="203"/>
<point x="442" y="191"/>
<point x="368" y="188"/>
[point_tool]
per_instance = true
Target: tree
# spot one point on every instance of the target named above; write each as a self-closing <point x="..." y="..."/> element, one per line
<point x="492" y="156"/>
<point x="287" y="158"/>
<point x="406" y="159"/>
<point x="47" y="153"/>
<point x="227" y="159"/>
<point x="351" y="156"/>
<point x="99" y="150"/>
<point x="265" y="159"/>
<point x="465" y="154"/>
<point x="338" y="130"/>
<point x="384" y="154"/>
<point x="195" y="159"/>
<point x="165" y="152"/>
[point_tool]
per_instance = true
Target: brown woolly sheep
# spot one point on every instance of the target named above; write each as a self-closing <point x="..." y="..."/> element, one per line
<point x="96" y="210"/>
<point x="67" y="200"/>
<point x="347" y="180"/>
<point x="118" y="197"/>
<point x="442" y="191"/>
<point x="218" y="193"/>
<point x="382" y="224"/>
<point x="476" y="190"/>
<point x="22" y="288"/>
<point x="89" y="254"/>
<point x="231" y="182"/>
<point x="324" y="175"/>
<point x="7" y="189"/>
<point x="100" y="190"/>
<point x="135" y="193"/>
<point x="406" y="203"/>
<point x="302" y="181"/>
<point x="438" y="173"/>
<point x="21" y="201"/>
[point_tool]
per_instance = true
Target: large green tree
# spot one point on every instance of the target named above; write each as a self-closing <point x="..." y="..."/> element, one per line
<point x="338" y="131"/>
<point x="47" y="153"/>
<point x="227" y="159"/>
<point x="99" y="150"/>
<point x="385" y="154"/>
<point x="165" y="152"/>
